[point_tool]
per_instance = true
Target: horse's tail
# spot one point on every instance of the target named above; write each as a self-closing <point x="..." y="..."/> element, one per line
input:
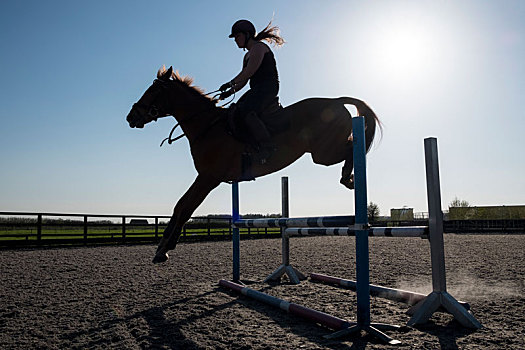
<point x="371" y="119"/>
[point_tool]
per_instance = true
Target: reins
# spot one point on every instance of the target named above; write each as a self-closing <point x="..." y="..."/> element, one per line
<point x="170" y="140"/>
<point x="212" y="92"/>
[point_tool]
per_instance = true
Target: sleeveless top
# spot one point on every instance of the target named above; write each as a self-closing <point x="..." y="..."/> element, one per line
<point x="266" y="76"/>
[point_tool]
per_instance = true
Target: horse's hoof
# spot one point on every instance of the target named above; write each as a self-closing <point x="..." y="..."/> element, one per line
<point x="160" y="258"/>
<point x="348" y="184"/>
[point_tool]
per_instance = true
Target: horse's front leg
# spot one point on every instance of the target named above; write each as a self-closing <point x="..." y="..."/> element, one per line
<point x="185" y="207"/>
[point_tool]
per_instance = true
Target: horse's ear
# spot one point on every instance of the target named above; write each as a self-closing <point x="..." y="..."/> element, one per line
<point x="168" y="73"/>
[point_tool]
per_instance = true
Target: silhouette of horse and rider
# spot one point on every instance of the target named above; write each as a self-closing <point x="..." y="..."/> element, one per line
<point x="254" y="137"/>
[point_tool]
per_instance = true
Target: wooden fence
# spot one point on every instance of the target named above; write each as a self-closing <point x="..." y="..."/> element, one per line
<point x="23" y="229"/>
<point x="504" y="226"/>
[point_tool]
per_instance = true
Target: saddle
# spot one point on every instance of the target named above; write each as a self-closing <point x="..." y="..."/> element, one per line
<point x="274" y="121"/>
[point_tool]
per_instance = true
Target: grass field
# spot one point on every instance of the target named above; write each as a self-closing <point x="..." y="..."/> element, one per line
<point x="30" y="232"/>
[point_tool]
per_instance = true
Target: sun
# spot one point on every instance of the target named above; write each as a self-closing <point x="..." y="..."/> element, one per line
<point x="403" y="52"/>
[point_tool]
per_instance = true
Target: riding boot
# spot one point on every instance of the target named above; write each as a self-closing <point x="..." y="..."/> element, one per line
<point x="261" y="136"/>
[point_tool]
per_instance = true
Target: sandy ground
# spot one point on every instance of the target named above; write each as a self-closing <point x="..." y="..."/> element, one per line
<point x="114" y="298"/>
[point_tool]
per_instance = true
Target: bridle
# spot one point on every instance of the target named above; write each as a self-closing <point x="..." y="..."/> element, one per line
<point x="154" y="112"/>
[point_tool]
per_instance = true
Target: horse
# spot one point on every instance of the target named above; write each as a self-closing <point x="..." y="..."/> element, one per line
<point x="319" y="126"/>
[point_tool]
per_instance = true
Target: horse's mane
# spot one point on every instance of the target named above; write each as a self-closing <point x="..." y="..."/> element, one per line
<point x="187" y="81"/>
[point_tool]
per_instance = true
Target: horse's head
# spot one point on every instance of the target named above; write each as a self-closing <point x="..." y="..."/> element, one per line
<point x="151" y="105"/>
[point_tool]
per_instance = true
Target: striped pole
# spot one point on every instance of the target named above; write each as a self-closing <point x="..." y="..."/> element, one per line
<point x="324" y="221"/>
<point x="407" y="231"/>
<point x="327" y="320"/>
<point x="394" y="294"/>
<point x="404" y="296"/>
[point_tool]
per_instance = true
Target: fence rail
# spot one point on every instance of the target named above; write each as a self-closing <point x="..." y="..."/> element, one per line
<point x="23" y="229"/>
<point x="503" y="226"/>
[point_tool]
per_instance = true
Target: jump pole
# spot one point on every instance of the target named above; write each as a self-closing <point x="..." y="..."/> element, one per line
<point x="285" y="268"/>
<point x="236" y="237"/>
<point x="407" y="231"/>
<point x="404" y="296"/>
<point x="439" y="296"/>
<point x="361" y="244"/>
<point x="329" y="321"/>
<point x="322" y="221"/>
<point x="237" y="223"/>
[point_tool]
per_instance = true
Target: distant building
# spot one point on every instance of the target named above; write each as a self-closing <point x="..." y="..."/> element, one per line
<point x="138" y="222"/>
<point x="403" y="214"/>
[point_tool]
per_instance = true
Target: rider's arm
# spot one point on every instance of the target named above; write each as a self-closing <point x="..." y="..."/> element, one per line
<point x="254" y="62"/>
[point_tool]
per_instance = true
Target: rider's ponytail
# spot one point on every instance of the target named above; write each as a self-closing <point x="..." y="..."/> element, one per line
<point x="270" y="34"/>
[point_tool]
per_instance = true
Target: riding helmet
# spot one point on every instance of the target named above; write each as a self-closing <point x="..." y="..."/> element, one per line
<point x="243" y="26"/>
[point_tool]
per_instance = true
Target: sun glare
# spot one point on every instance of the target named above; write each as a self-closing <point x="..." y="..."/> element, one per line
<point x="403" y="52"/>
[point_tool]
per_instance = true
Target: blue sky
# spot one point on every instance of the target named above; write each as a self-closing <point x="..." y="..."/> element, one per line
<point x="71" y="70"/>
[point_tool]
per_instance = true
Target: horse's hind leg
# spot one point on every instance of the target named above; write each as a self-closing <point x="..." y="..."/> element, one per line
<point x="185" y="207"/>
<point x="347" y="178"/>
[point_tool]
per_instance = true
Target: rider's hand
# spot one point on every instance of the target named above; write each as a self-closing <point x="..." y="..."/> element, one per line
<point x="226" y="94"/>
<point x="225" y="86"/>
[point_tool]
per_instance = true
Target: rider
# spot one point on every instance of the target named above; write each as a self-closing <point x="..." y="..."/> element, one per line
<point x="260" y="68"/>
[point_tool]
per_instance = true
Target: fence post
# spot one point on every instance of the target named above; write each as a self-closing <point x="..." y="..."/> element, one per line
<point x="85" y="229"/>
<point x="208" y="224"/>
<point x="39" y="228"/>
<point x="156" y="228"/>
<point x="123" y="228"/>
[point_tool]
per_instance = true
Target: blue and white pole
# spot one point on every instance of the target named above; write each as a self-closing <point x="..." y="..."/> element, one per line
<point x="361" y="218"/>
<point x="361" y="244"/>
<point x="235" y="233"/>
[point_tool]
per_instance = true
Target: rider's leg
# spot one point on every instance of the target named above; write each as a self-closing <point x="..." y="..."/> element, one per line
<point x="248" y="108"/>
<point x="261" y="136"/>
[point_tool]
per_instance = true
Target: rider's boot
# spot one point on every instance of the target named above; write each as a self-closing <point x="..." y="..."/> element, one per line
<point x="261" y="135"/>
